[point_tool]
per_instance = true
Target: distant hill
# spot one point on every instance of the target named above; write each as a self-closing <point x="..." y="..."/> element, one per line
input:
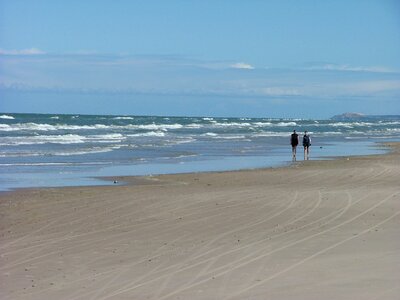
<point x="348" y="115"/>
<point x="359" y="116"/>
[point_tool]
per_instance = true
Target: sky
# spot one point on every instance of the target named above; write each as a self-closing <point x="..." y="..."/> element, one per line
<point x="296" y="59"/>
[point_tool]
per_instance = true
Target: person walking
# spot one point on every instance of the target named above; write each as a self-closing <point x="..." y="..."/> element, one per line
<point x="306" y="145"/>
<point x="294" y="141"/>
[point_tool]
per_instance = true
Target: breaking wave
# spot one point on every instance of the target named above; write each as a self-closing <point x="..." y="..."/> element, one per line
<point x="7" y="117"/>
<point x="59" y="139"/>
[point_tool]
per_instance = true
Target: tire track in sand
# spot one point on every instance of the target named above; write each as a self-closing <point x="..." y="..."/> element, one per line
<point x="311" y="257"/>
<point x="283" y="247"/>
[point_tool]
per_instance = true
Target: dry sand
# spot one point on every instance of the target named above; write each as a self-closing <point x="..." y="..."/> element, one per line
<point x="316" y="230"/>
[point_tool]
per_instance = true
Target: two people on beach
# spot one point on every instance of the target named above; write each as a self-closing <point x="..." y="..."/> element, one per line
<point x="294" y="141"/>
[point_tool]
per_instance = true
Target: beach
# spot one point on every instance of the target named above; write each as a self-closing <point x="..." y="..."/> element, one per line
<point x="313" y="230"/>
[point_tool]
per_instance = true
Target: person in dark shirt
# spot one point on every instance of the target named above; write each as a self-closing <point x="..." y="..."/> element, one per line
<point x="306" y="145"/>
<point x="294" y="141"/>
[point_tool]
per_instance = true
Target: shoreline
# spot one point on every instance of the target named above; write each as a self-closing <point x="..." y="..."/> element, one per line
<point x="312" y="230"/>
<point x="107" y="180"/>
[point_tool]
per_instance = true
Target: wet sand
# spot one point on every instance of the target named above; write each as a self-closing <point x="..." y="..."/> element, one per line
<point x="315" y="230"/>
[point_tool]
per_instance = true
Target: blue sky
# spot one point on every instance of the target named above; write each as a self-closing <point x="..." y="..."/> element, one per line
<point x="219" y="58"/>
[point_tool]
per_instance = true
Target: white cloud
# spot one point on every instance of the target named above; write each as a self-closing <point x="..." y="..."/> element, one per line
<point x="279" y="91"/>
<point x="335" y="67"/>
<point x="30" y="51"/>
<point x="241" y="65"/>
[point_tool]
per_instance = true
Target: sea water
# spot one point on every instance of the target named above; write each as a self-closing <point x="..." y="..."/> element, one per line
<point x="60" y="150"/>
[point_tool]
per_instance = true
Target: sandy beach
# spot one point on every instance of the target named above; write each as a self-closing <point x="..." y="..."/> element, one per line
<point x="314" y="230"/>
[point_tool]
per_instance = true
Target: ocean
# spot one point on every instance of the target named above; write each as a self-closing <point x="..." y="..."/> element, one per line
<point x="44" y="150"/>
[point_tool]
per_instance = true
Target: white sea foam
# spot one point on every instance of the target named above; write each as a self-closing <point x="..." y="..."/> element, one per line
<point x="355" y="137"/>
<point x="77" y="127"/>
<point x="7" y="117"/>
<point x="107" y="137"/>
<point x="179" y="156"/>
<point x="360" y="132"/>
<point x="232" y="137"/>
<point x="340" y="124"/>
<point x="48" y="127"/>
<point x="355" y="124"/>
<point x="233" y="124"/>
<point x="123" y="118"/>
<point x="42" y="139"/>
<point x="391" y="123"/>
<point x="19" y="154"/>
<point x="262" y="124"/>
<point x="270" y="134"/>
<point x="60" y="139"/>
<point x="182" y="141"/>
<point x="5" y="127"/>
<point x="87" y="151"/>
<point x="393" y="129"/>
<point x="330" y="133"/>
<point x="60" y="153"/>
<point x="186" y="155"/>
<point x="194" y="125"/>
<point x="362" y="124"/>
<point x="150" y="133"/>
<point x="55" y="117"/>
<point x="155" y="127"/>
<point x="26" y="126"/>
<point x="209" y="134"/>
<point x="284" y="124"/>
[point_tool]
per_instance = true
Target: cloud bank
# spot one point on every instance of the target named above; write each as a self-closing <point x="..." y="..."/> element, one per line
<point x="33" y="69"/>
<point x="242" y="65"/>
<point x="30" y="51"/>
<point x="336" y="67"/>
